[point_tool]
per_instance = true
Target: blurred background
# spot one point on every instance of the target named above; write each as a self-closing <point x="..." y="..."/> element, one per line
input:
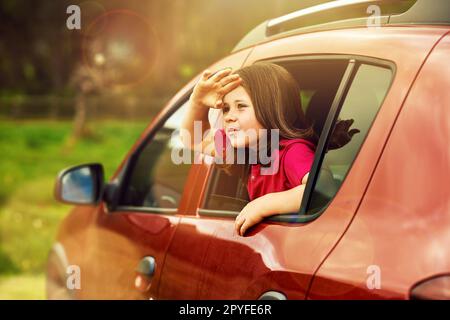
<point x="84" y="95"/>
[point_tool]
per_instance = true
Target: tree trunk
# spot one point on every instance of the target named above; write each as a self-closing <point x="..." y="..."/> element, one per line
<point x="79" y="128"/>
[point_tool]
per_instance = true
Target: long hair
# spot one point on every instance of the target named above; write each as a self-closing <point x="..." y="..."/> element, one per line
<point x="275" y="96"/>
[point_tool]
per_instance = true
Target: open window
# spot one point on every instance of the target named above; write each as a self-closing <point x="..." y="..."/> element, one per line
<point x="339" y="95"/>
<point x="319" y="80"/>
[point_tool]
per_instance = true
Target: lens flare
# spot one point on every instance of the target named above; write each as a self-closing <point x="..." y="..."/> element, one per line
<point x="120" y="48"/>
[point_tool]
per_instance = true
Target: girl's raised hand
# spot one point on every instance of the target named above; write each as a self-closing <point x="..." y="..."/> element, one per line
<point x="210" y="89"/>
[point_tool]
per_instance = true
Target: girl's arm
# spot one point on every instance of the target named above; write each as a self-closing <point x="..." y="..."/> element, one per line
<point x="270" y="204"/>
<point x="207" y="93"/>
<point x="195" y="113"/>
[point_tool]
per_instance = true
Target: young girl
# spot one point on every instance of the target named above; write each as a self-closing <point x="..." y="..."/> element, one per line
<point x="260" y="96"/>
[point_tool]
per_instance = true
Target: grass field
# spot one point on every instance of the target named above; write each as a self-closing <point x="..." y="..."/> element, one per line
<point x="22" y="287"/>
<point x="32" y="153"/>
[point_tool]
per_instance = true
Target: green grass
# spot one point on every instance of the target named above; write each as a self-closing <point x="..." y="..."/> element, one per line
<point x="22" y="287"/>
<point x="32" y="153"/>
<point x="35" y="149"/>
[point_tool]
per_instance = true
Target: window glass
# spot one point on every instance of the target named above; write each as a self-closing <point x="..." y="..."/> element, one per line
<point x="156" y="180"/>
<point x="227" y="189"/>
<point x="359" y="109"/>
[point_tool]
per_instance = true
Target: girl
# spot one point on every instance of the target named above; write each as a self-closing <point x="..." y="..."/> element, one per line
<point x="260" y="96"/>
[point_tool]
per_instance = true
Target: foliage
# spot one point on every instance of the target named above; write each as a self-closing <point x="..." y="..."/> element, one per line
<point x="32" y="154"/>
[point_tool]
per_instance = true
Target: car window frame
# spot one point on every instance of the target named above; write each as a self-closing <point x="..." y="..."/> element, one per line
<point x="124" y="176"/>
<point x="353" y="62"/>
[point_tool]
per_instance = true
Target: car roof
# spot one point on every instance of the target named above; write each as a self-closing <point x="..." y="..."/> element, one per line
<point x="346" y="14"/>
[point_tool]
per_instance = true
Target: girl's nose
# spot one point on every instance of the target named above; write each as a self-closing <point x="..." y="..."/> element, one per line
<point x="230" y="117"/>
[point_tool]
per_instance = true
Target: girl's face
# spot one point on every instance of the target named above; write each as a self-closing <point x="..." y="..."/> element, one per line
<point x="239" y="120"/>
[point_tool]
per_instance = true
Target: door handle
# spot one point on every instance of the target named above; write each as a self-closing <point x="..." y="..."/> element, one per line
<point x="145" y="270"/>
<point x="146" y="266"/>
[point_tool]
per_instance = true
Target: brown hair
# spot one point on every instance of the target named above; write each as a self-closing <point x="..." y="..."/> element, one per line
<point x="275" y="95"/>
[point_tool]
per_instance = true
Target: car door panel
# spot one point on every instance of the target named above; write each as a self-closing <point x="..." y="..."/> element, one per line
<point x="140" y="226"/>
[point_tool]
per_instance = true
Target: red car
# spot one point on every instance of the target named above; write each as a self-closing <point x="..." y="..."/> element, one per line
<point x="374" y="221"/>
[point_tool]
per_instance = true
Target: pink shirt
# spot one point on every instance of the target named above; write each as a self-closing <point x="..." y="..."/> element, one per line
<point x="296" y="157"/>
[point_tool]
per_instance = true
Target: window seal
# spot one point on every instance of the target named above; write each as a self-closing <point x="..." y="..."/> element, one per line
<point x="217" y="213"/>
<point x="285" y="217"/>
<point x="149" y="210"/>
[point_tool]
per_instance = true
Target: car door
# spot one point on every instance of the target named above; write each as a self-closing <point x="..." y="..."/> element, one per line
<point x="127" y="240"/>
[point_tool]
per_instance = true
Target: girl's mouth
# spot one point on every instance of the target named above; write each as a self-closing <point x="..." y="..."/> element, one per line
<point x="232" y="130"/>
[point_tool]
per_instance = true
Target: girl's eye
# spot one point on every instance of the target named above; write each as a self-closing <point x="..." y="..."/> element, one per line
<point x="241" y="106"/>
<point x="225" y="109"/>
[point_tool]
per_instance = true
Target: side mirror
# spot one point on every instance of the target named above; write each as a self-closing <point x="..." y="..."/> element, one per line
<point x="81" y="184"/>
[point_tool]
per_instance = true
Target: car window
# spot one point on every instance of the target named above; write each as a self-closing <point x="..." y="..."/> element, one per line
<point x="156" y="181"/>
<point x="360" y="106"/>
<point x="318" y="81"/>
<point x="227" y="189"/>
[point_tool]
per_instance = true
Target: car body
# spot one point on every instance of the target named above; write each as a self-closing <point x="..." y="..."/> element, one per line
<point x="378" y="229"/>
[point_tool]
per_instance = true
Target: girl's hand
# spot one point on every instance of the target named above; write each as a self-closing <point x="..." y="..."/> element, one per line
<point x="342" y="134"/>
<point x="209" y="90"/>
<point x="253" y="213"/>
